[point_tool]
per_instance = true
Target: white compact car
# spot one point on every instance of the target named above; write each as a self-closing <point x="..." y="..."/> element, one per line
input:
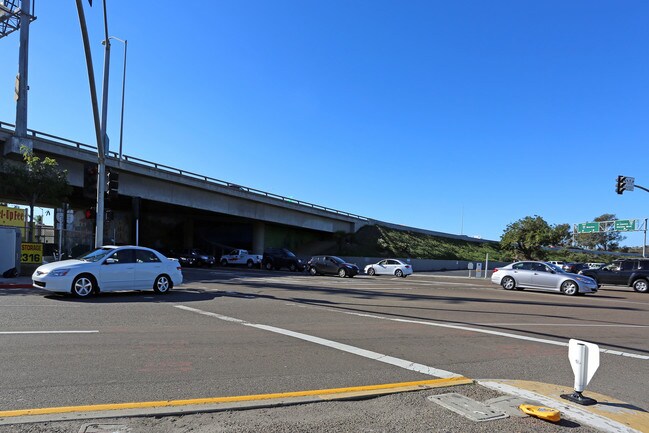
<point x="108" y="269"/>
<point x="389" y="267"/>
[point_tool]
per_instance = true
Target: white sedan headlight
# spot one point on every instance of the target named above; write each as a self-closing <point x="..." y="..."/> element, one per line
<point x="59" y="272"/>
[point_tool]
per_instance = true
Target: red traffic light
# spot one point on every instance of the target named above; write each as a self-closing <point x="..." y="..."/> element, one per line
<point x="90" y="214"/>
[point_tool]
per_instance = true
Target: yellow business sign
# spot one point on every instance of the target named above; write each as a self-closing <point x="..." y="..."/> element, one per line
<point x="12" y="217"/>
<point x="31" y="253"/>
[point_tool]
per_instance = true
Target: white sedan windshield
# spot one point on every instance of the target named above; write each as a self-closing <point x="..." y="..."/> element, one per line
<point x="96" y="255"/>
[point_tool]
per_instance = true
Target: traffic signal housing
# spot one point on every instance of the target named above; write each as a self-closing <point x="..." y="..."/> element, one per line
<point x="112" y="183"/>
<point x="90" y="180"/>
<point x="625" y="183"/>
<point x="620" y="185"/>
<point x="90" y="213"/>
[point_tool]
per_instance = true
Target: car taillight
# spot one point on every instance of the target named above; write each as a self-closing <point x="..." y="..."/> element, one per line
<point x="495" y="270"/>
<point x="407" y="266"/>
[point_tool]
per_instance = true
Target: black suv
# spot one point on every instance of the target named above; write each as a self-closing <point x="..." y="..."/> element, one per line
<point x="628" y="272"/>
<point x="331" y="265"/>
<point x="277" y="258"/>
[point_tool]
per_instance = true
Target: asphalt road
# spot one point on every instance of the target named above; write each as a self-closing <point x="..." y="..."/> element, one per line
<point x="233" y="332"/>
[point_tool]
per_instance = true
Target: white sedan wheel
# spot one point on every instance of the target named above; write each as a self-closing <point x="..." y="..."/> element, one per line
<point x="162" y="284"/>
<point x="82" y="286"/>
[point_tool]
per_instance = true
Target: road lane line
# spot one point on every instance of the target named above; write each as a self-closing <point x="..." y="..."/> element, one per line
<point x="481" y="331"/>
<point x="582" y="325"/>
<point x="503" y="334"/>
<point x="46" y="332"/>
<point x="402" y="363"/>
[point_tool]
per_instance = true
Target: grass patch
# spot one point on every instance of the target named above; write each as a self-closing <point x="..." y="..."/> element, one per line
<point x="381" y="241"/>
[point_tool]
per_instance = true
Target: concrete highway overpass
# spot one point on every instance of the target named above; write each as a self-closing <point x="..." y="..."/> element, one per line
<point x="180" y="209"/>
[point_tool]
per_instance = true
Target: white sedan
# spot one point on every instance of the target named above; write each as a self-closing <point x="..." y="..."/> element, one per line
<point x="109" y="269"/>
<point x="389" y="267"/>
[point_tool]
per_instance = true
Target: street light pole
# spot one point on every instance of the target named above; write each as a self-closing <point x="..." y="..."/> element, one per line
<point x="121" y="122"/>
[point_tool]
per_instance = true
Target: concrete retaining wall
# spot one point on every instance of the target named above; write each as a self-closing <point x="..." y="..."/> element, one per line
<point x="425" y="265"/>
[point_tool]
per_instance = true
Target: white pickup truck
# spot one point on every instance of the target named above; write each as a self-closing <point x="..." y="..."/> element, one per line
<point x="241" y="257"/>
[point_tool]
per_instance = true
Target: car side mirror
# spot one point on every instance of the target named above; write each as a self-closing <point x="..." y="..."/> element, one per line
<point x="110" y="261"/>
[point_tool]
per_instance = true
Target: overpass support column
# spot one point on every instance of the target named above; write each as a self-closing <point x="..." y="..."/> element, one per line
<point x="188" y="233"/>
<point x="258" y="236"/>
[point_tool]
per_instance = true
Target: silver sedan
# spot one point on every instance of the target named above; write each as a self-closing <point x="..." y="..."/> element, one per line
<point x="544" y="276"/>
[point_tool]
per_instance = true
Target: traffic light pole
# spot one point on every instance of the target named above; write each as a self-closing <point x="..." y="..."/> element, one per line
<point x="101" y="172"/>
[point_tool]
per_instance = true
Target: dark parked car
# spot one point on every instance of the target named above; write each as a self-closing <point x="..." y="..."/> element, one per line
<point x="574" y="268"/>
<point x="277" y="258"/>
<point x="196" y="257"/>
<point x="331" y="265"/>
<point x="628" y="272"/>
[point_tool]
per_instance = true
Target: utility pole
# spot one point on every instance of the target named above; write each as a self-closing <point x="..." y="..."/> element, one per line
<point x="20" y="133"/>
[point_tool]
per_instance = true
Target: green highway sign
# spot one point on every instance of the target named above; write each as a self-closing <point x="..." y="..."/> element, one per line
<point x="588" y="227"/>
<point x="625" y="225"/>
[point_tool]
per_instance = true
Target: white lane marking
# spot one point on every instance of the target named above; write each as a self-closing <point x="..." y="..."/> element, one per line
<point x="584" y="325"/>
<point x="402" y="363"/>
<point x="38" y="305"/>
<point x="481" y="331"/>
<point x="444" y="283"/>
<point x="574" y="413"/>
<point x="46" y="332"/>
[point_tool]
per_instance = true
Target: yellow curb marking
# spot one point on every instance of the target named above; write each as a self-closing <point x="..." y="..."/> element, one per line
<point x="172" y="403"/>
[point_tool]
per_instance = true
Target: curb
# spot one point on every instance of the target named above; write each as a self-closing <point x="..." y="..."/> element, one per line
<point x="608" y="415"/>
<point x="218" y="404"/>
<point x="15" y="286"/>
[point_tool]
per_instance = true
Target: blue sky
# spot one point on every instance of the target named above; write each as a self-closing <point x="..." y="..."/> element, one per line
<point x="459" y="117"/>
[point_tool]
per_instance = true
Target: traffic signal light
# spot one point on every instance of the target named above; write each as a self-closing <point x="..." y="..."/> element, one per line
<point x="90" y="180"/>
<point x="624" y="183"/>
<point x="112" y="183"/>
<point x="90" y="213"/>
<point x="620" y="185"/>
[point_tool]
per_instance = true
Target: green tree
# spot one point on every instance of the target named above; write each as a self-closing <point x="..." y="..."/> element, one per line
<point x="36" y="181"/>
<point x="527" y="237"/>
<point x="607" y="241"/>
<point x="561" y="235"/>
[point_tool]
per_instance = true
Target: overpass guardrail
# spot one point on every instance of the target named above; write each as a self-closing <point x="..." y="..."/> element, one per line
<point x="143" y="162"/>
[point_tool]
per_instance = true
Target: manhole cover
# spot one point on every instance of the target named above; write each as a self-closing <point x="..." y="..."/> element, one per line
<point x="462" y="405"/>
